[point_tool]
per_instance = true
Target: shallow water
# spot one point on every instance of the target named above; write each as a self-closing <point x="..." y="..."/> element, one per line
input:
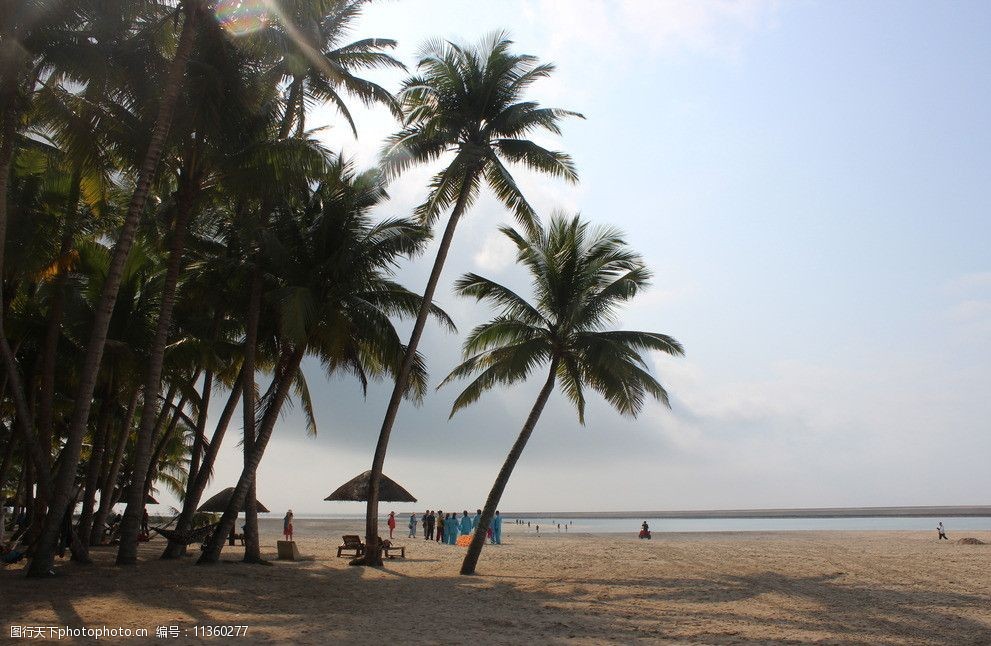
<point x="627" y="525"/>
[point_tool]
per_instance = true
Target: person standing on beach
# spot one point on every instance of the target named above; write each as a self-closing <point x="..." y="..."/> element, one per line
<point x="412" y="525"/>
<point x="942" y="532"/>
<point x="477" y="519"/>
<point x="426" y="519"/>
<point x="431" y="523"/>
<point x="392" y="523"/>
<point x="465" y="524"/>
<point x="287" y="525"/>
<point x="497" y="529"/>
<point x="440" y="525"/>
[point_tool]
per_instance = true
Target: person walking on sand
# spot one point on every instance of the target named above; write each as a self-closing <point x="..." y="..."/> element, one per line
<point x="392" y="523"/>
<point x="942" y="532"/>
<point x="465" y="524"/>
<point x="497" y="529"/>
<point x="412" y="525"/>
<point x="439" y="530"/>
<point x="452" y="537"/>
<point x="287" y="525"/>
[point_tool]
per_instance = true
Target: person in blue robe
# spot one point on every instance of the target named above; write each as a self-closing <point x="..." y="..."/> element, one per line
<point x="476" y="519"/>
<point x="497" y="529"/>
<point x="466" y="526"/>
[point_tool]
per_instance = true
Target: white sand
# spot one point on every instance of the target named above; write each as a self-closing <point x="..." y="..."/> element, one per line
<point x="713" y="588"/>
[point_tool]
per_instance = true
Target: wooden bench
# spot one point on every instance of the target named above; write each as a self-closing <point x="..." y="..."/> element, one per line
<point x="352" y="542"/>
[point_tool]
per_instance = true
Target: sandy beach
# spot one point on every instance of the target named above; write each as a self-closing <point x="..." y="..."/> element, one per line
<point x="711" y="588"/>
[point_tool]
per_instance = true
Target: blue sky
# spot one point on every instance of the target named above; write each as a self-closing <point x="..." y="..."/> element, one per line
<point x="809" y="182"/>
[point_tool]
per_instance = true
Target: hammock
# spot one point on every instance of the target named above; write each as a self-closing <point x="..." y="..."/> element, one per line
<point x="189" y="536"/>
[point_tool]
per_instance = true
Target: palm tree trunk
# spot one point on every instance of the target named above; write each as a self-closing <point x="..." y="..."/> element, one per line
<point x="46" y="389"/>
<point x="131" y="525"/>
<point x="492" y="502"/>
<point x="109" y="482"/>
<point x="152" y="473"/>
<point x="373" y="554"/>
<point x="44" y="557"/>
<point x="196" y="488"/>
<point x="23" y="422"/>
<point x="93" y="468"/>
<point x="211" y="554"/>
<point x="252" y="549"/>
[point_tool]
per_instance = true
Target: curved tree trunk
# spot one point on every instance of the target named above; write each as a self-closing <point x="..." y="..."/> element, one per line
<point x="93" y="467"/>
<point x="252" y="549"/>
<point x="44" y="557"/>
<point x="196" y="488"/>
<point x="131" y="525"/>
<point x="373" y="554"/>
<point x="46" y="387"/>
<point x="152" y="473"/>
<point x="109" y="481"/>
<point x="285" y="377"/>
<point x="492" y="502"/>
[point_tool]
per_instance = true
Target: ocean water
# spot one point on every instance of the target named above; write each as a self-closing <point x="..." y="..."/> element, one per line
<point x="631" y="525"/>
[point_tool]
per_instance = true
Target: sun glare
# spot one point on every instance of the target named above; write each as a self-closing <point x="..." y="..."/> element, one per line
<point x="242" y="17"/>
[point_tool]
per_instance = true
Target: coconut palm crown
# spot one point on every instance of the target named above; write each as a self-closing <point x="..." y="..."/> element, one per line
<point x="581" y="275"/>
<point x="467" y="101"/>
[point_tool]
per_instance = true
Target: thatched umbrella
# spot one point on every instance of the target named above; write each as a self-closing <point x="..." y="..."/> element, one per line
<point x="356" y="489"/>
<point x="220" y="501"/>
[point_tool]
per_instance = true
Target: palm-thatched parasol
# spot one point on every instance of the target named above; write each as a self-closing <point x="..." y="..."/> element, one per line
<point x="356" y="489"/>
<point x="220" y="501"/>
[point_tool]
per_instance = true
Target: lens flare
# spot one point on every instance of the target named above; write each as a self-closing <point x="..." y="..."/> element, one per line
<point x="241" y="17"/>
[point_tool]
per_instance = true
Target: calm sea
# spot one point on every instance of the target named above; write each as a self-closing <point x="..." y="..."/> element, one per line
<point x="627" y="525"/>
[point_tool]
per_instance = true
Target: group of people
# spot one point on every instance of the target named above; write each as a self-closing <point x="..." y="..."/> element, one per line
<point x="445" y="528"/>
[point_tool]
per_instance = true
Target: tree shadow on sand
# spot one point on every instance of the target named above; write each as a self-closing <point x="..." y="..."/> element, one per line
<point x="325" y="601"/>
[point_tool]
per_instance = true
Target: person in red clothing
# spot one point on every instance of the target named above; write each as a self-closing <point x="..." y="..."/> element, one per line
<point x="392" y="522"/>
<point x="286" y="526"/>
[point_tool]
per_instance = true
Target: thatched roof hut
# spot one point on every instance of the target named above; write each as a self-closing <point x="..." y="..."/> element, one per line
<point x="356" y="489"/>
<point x="220" y="501"/>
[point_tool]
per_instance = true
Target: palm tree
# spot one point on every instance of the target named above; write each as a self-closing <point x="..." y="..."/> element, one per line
<point x="331" y="294"/>
<point x="580" y="277"/>
<point x="466" y="102"/>
<point x="43" y="560"/>
<point x="316" y="65"/>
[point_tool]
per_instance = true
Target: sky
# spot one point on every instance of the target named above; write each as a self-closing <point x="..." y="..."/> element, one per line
<point x="809" y="182"/>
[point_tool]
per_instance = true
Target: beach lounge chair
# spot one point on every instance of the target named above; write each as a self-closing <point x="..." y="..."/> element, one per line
<point x="196" y="535"/>
<point x="388" y="547"/>
<point x="352" y="542"/>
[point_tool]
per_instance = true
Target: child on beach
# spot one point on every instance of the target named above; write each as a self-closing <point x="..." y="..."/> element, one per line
<point x="287" y="525"/>
<point x="412" y="525"/>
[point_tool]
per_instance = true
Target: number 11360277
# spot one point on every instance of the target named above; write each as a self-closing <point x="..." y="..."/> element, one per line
<point x="220" y="631"/>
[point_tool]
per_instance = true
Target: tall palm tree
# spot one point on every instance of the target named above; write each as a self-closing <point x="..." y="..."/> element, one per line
<point x="465" y="104"/>
<point x="580" y="277"/>
<point x="43" y="559"/>
<point x="331" y="295"/>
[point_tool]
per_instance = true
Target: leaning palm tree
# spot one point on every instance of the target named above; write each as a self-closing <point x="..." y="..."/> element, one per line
<point x="331" y="296"/>
<point x="580" y="277"/>
<point x="466" y="104"/>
